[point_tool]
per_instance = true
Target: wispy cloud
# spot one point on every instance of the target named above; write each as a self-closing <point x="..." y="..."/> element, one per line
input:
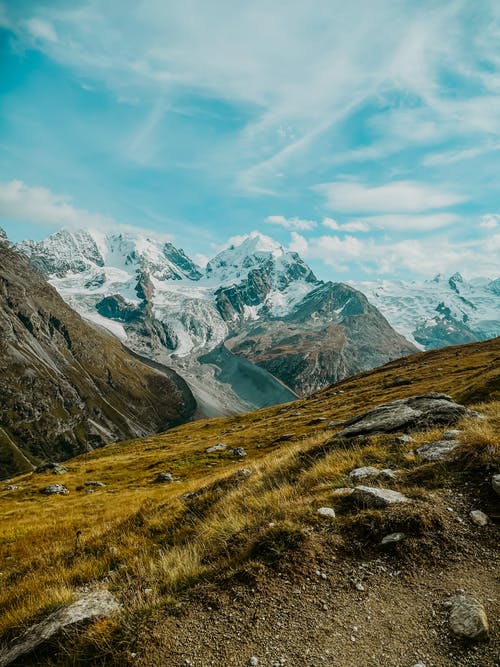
<point x="40" y="29"/>
<point x="291" y="223"/>
<point x="352" y="226"/>
<point x="399" y="196"/>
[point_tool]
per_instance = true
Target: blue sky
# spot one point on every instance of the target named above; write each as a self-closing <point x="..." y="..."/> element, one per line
<point x="363" y="134"/>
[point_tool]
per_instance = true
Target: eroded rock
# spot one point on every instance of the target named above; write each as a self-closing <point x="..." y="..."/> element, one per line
<point x="406" y="414"/>
<point x="219" y="447"/>
<point x="437" y="451"/>
<point x="372" y="496"/>
<point x="468" y="617"/>
<point x="54" y="489"/>
<point x="92" y="606"/>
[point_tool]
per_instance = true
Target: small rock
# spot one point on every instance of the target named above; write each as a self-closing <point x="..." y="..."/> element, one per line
<point x="12" y="487"/>
<point x="451" y="434"/>
<point x="51" y="466"/>
<point x="479" y="518"/>
<point x="326" y="511"/>
<point x="359" y="586"/>
<point x="219" y="447"/>
<point x="244" y="472"/>
<point x="495" y="483"/>
<point x="392" y="538"/>
<point x="468" y="617"/>
<point x="437" y="451"/>
<point x="238" y="451"/>
<point x="164" y="477"/>
<point x="364" y="472"/>
<point x="53" y="489"/>
<point x="419" y="664"/>
<point x="95" y="483"/>
<point x="253" y="660"/>
<point x="375" y="497"/>
<point x="388" y="474"/>
<point x="404" y="439"/>
<point x="295" y="414"/>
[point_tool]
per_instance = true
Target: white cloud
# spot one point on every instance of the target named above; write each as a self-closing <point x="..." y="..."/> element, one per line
<point x="291" y="223"/>
<point x="41" y="29"/>
<point x="398" y="196"/>
<point x="351" y="226"/>
<point x="490" y="221"/>
<point x="298" y="244"/>
<point x="21" y="202"/>
<point x="421" y="257"/>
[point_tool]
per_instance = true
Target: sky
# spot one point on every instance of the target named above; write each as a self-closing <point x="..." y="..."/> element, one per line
<point x="363" y="134"/>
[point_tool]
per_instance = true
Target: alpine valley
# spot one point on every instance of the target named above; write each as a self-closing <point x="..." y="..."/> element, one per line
<point x="253" y="328"/>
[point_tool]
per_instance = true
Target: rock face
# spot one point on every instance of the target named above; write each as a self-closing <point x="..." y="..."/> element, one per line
<point x="468" y="618"/>
<point x="256" y="311"/>
<point x="67" y="386"/>
<point x="92" y="606"/>
<point x="416" y="412"/>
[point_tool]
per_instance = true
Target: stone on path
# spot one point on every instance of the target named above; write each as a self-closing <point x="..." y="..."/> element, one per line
<point x="468" y="617"/>
<point x="372" y="496"/>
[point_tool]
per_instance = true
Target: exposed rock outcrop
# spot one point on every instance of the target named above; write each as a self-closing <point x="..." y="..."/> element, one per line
<point x="92" y="606"/>
<point x="416" y="412"/>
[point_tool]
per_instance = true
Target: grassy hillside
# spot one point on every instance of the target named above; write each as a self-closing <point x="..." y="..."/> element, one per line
<point x="159" y="546"/>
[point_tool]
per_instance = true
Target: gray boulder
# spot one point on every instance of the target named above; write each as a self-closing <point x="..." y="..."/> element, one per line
<point x="93" y="482"/>
<point x="93" y="605"/>
<point x="372" y="496"/>
<point x="451" y="434"/>
<point x="219" y="447"/>
<point x="392" y="538"/>
<point x="479" y="518"/>
<point x="437" y="451"/>
<point x="54" y="489"/>
<point x="364" y="473"/>
<point x="468" y="617"/>
<point x="51" y="466"/>
<point x="326" y="511"/>
<point x="405" y="415"/>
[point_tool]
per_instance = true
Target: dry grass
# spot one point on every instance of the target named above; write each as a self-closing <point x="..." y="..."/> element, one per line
<point x="136" y="534"/>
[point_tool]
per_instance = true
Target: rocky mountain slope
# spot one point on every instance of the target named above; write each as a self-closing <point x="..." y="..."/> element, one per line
<point x="441" y="311"/>
<point x="358" y="526"/>
<point x="67" y="386"/>
<point x="255" y="298"/>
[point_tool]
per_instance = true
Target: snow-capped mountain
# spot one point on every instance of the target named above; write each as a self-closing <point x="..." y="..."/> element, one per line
<point x="438" y="312"/>
<point x="246" y="307"/>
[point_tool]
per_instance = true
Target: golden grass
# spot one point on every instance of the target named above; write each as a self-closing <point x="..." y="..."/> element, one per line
<point x="136" y="534"/>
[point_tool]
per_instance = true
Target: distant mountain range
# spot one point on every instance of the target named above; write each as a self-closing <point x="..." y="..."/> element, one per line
<point x="255" y="309"/>
<point x="438" y="312"/>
